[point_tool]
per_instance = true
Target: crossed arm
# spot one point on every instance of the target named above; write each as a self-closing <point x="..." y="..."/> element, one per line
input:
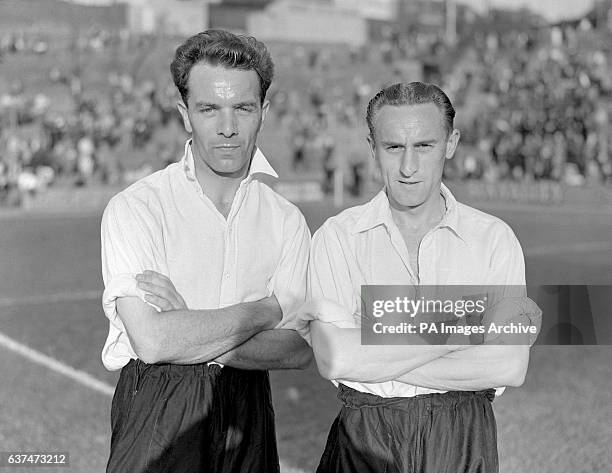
<point x="334" y="274"/>
<point x="340" y="356"/>
<point x="240" y="336"/>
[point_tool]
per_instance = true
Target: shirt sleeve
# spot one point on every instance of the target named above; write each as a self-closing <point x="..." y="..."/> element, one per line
<point x="331" y="277"/>
<point x="507" y="274"/>
<point x="329" y="273"/>
<point x="128" y="236"/>
<point x="507" y="263"/>
<point x="288" y="282"/>
<point x="325" y="300"/>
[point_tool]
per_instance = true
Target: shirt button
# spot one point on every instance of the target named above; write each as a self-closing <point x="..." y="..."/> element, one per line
<point x="227" y="276"/>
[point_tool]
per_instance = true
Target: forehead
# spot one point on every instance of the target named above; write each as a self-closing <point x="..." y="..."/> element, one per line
<point x="214" y="83"/>
<point x="423" y="120"/>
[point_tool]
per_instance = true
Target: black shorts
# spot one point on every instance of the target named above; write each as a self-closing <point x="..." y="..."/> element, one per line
<point x="453" y="432"/>
<point x="191" y="419"/>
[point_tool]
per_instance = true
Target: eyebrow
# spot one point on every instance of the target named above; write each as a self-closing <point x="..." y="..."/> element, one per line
<point x="216" y="106"/>
<point x="401" y="143"/>
<point x="428" y="141"/>
<point x="246" y="104"/>
<point x="206" y="104"/>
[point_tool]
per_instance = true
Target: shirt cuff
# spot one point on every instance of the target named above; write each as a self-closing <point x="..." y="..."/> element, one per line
<point x="121" y="285"/>
<point x="325" y="310"/>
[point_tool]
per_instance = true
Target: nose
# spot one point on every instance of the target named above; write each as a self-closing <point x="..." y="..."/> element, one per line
<point x="409" y="164"/>
<point x="227" y="125"/>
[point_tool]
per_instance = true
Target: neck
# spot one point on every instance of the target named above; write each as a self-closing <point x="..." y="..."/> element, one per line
<point x="421" y="218"/>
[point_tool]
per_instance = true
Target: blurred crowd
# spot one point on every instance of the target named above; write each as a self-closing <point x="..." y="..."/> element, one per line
<point x="529" y="108"/>
<point x="83" y="146"/>
<point x="85" y="142"/>
<point x="546" y="114"/>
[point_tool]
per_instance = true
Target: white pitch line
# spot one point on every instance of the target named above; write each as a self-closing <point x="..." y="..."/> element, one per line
<point x="79" y="376"/>
<point x="578" y="247"/>
<point x="51" y="298"/>
<point x="37" y="357"/>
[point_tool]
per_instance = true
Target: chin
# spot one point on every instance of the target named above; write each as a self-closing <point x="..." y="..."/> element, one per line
<point x="408" y="201"/>
<point x="229" y="168"/>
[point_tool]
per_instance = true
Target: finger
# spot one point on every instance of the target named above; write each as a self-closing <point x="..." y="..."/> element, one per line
<point x="150" y="275"/>
<point x="159" y="291"/>
<point x="146" y="276"/>
<point x="159" y="279"/>
<point x="160" y="302"/>
<point x="166" y="293"/>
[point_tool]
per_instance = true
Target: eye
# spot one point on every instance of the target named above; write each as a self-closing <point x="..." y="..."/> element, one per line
<point x="394" y="147"/>
<point x="207" y="110"/>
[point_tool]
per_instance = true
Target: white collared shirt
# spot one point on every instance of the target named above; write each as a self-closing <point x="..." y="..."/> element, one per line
<point x="363" y="245"/>
<point x="167" y="224"/>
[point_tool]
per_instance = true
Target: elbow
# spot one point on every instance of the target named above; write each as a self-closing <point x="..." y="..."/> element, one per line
<point x="516" y="370"/>
<point x="330" y="368"/>
<point x="325" y="370"/>
<point x="148" y="348"/>
<point x="147" y="352"/>
<point x="516" y="376"/>
<point x="150" y="358"/>
<point x="304" y="359"/>
<point x="329" y="357"/>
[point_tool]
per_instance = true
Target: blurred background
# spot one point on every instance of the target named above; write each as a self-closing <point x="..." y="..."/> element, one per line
<point x="87" y="106"/>
<point x="86" y="98"/>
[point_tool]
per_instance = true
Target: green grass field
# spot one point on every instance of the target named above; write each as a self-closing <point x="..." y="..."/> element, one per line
<point x="559" y="421"/>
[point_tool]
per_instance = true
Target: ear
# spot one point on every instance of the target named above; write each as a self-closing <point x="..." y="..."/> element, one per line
<point x="264" y="112"/>
<point x="182" y="108"/>
<point x="451" y="144"/>
<point x="372" y="145"/>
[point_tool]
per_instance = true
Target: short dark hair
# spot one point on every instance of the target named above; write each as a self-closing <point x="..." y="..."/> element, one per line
<point x="222" y="48"/>
<point x="412" y="93"/>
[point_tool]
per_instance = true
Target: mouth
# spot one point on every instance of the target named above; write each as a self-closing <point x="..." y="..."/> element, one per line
<point x="410" y="183"/>
<point x="227" y="146"/>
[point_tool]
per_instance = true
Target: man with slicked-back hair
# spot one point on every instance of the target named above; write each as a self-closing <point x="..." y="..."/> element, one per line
<point x="201" y="262"/>
<point x="413" y="408"/>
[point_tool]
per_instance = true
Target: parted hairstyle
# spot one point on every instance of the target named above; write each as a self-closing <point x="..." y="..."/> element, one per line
<point x="412" y="93"/>
<point x="222" y="48"/>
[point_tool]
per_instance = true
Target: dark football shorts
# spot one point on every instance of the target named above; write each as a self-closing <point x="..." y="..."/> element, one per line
<point x="453" y="432"/>
<point x="190" y="419"/>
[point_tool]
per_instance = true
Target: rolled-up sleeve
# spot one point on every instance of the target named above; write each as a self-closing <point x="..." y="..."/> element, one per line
<point x="288" y="282"/>
<point x="329" y="273"/>
<point x="330" y="294"/>
<point x="509" y="299"/>
<point x="128" y="248"/>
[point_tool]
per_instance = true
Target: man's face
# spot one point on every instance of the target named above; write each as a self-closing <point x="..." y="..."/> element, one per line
<point x="224" y="115"/>
<point x="410" y="146"/>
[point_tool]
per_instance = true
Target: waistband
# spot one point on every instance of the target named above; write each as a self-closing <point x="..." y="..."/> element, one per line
<point x="169" y="369"/>
<point x="352" y="398"/>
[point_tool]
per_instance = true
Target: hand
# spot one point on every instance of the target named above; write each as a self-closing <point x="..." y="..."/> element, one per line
<point x="521" y="310"/>
<point x="326" y="311"/>
<point x="300" y="319"/>
<point x="160" y="291"/>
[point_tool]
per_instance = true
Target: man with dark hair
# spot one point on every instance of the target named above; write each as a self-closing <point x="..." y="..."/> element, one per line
<point x="201" y="262"/>
<point x="413" y="407"/>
